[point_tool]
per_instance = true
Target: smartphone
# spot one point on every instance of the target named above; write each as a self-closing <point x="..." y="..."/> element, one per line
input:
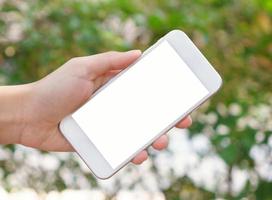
<point x="142" y="102"/>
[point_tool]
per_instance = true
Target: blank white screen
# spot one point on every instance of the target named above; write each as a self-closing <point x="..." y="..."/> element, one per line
<point x="139" y="104"/>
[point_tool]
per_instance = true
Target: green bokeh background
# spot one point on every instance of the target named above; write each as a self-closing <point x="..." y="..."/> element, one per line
<point x="36" y="37"/>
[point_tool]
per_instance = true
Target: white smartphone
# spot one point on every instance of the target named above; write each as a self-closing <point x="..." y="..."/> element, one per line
<point x="124" y="117"/>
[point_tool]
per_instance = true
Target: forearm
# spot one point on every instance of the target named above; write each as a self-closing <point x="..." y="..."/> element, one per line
<point x="12" y="108"/>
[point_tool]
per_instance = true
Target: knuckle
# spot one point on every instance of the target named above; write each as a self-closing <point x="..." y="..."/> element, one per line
<point x="74" y="60"/>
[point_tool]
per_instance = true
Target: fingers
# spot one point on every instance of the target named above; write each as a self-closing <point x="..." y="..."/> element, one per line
<point x="185" y="123"/>
<point x="141" y="157"/>
<point x="101" y="63"/>
<point x="161" y="143"/>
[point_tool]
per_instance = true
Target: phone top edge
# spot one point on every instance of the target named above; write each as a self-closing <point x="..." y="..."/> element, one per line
<point x="195" y="60"/>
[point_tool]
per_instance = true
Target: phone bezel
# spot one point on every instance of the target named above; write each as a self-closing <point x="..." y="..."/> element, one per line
<point x="199" y="66"/>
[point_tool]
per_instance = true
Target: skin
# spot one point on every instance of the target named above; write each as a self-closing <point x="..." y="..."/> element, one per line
<point x="30" y="113"/>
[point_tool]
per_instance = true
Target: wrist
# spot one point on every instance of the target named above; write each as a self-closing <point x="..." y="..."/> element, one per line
<point x="13" y="112"/>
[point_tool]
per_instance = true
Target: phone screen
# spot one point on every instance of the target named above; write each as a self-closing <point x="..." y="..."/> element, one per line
<point x="138" y="105"/>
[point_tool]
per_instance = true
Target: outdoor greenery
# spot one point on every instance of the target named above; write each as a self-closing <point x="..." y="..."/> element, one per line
<point x="36" y="37"/>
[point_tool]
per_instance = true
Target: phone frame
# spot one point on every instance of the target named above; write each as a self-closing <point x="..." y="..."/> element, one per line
<point x="199" y="66"/>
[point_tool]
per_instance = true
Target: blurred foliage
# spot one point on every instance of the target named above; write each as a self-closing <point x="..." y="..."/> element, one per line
<point x="36" y="37"/>
<point x="184" y="189"/>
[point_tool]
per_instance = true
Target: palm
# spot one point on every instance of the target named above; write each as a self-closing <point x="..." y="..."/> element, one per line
<point x="56" y="99"/>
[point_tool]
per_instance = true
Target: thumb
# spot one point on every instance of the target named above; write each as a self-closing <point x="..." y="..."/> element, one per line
<point x="101" y="63"/>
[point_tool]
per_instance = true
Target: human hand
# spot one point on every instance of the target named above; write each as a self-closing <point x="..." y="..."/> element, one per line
<point x="50" y="99"/>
